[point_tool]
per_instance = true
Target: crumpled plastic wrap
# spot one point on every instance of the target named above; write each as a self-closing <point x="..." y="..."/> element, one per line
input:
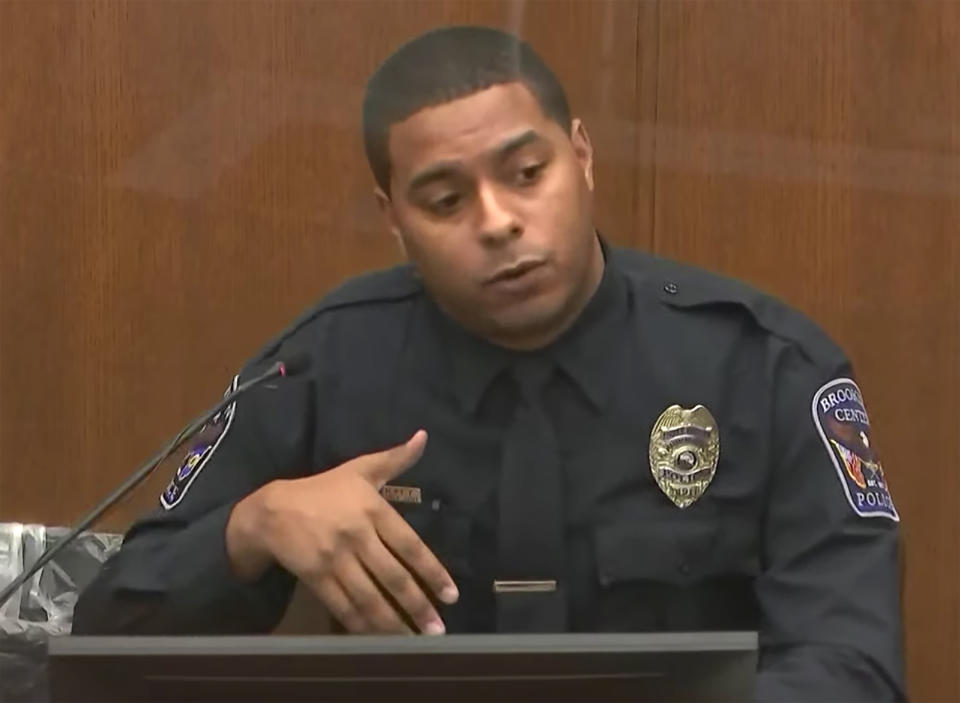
<point x="43" y="607"/>
<point x="46" y="601"/>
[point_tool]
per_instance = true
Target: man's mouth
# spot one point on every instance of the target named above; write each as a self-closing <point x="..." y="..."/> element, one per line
<point x="514" y="271"/>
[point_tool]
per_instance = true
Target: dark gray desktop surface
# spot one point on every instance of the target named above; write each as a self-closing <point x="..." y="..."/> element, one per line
<point x="714" y="666"/>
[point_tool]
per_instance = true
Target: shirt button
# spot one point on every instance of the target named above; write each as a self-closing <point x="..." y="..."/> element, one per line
<point x="683" y="567"/>
<point x="671" y="288"/>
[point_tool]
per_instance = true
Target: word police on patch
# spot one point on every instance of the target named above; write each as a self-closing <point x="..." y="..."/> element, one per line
<point x="205" y="444"/>
<point x="844" y="427"/>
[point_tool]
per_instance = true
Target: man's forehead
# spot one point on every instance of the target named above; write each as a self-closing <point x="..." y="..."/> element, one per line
<point x="467" y="127"/>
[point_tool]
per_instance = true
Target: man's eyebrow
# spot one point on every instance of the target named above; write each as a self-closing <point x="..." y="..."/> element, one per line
<point x="435" y="172"/>
<point x="515" y="143"/>
<point x="446" y="169"/>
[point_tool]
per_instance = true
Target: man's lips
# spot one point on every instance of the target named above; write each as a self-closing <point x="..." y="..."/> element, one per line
<point x="514" y="270"/>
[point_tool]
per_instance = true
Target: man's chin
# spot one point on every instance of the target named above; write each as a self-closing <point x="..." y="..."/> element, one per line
<point x="528" y="324"/>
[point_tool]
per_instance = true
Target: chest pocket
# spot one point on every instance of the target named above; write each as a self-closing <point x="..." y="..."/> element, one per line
<point x="671" y="572"/>
<point x="677" y="551"/>
<point x="445" y="531"/>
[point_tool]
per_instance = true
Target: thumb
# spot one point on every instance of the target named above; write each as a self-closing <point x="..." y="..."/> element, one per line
<point x="382" y="466"/>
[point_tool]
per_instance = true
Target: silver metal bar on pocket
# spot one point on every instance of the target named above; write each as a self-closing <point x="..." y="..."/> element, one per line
<point x="524" y="586"/>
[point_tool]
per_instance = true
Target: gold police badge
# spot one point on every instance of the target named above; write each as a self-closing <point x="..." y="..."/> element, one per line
<point x="684" y="449"/>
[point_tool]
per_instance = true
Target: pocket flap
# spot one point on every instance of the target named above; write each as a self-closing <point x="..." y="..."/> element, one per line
<point x="678" y="550"/>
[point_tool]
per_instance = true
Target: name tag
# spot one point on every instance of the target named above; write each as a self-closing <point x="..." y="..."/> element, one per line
<point x="401" y="494"/>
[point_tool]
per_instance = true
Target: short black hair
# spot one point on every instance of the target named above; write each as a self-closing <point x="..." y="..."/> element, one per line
<point x="443" y="65"/>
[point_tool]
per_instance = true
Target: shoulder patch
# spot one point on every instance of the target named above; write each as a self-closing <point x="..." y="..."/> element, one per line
<point x="204" y="445"/>
<point x="842" y="422"/>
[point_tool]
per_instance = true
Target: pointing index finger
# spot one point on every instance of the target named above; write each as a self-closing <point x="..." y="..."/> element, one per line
<point x="383" y="466"/>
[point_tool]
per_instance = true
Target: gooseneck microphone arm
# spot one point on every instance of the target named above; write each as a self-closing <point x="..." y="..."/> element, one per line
<point x="295" y="365"/>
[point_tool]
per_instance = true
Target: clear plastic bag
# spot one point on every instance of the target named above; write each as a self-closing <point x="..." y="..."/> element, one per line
<point x="47" y="600"/>
<point x="42" y="607"/>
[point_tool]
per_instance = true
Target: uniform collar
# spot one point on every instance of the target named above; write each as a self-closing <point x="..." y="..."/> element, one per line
<point x="586" y="352"/>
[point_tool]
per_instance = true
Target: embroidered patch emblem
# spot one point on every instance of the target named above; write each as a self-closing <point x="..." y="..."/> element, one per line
<point x="204" y="445"/>
<point x="844" y="427"/>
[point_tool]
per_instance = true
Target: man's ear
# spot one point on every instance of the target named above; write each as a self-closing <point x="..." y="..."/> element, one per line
<point x="385" y="205"/>
<point x="583" y="149"/>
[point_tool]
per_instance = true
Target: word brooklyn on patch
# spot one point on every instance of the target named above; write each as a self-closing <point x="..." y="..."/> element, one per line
<point x="204" y="445"/>
<point x="844" y="427"/>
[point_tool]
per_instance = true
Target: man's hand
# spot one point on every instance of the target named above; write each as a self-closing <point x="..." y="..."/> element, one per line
<point x="336" y="533"/>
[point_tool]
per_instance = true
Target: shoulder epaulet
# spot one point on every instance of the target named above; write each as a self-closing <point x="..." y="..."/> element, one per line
<point x="682" y="286"/>
<point x="376" y="287"/>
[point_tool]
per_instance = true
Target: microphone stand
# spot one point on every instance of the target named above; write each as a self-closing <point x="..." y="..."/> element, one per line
<point x="145" y="469"/>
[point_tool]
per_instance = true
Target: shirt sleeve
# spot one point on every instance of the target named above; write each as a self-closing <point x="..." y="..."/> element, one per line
<point x="829" y="592"/>
<point x="172" y="574"/>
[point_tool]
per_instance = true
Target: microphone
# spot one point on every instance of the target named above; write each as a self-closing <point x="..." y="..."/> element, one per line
<point x="295" y="365"/>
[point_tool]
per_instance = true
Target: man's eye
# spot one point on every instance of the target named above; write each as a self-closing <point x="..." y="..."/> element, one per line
<point x="530" y="174"/>
<point x="447" y="203"/>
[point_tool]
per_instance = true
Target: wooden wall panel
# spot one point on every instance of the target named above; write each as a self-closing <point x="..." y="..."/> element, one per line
<point x="814" y="149"/>
<point x="179" y="180"/>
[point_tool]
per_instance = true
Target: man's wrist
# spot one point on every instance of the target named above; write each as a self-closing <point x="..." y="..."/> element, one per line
<point x="247" y="538"/>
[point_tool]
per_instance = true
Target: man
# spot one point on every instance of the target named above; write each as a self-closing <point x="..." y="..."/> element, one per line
<point x="527" y="429"/>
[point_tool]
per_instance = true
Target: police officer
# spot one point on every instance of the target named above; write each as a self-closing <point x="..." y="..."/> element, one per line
<point x="527" y="429"/>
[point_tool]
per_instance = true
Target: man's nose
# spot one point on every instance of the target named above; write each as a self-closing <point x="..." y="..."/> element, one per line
<point x="500" y="222"/>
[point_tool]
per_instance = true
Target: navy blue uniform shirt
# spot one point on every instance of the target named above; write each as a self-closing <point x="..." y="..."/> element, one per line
<point x="795" y="536"/>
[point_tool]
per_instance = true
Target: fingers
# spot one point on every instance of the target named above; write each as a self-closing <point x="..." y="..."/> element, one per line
<point x="338" y="603"/>
<point x="383" y="466"/>
<point x="402" y="587"/>
<point x="358" y="555"/>
<point x="405" y="543"/>
<point x="367" y="599"/>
